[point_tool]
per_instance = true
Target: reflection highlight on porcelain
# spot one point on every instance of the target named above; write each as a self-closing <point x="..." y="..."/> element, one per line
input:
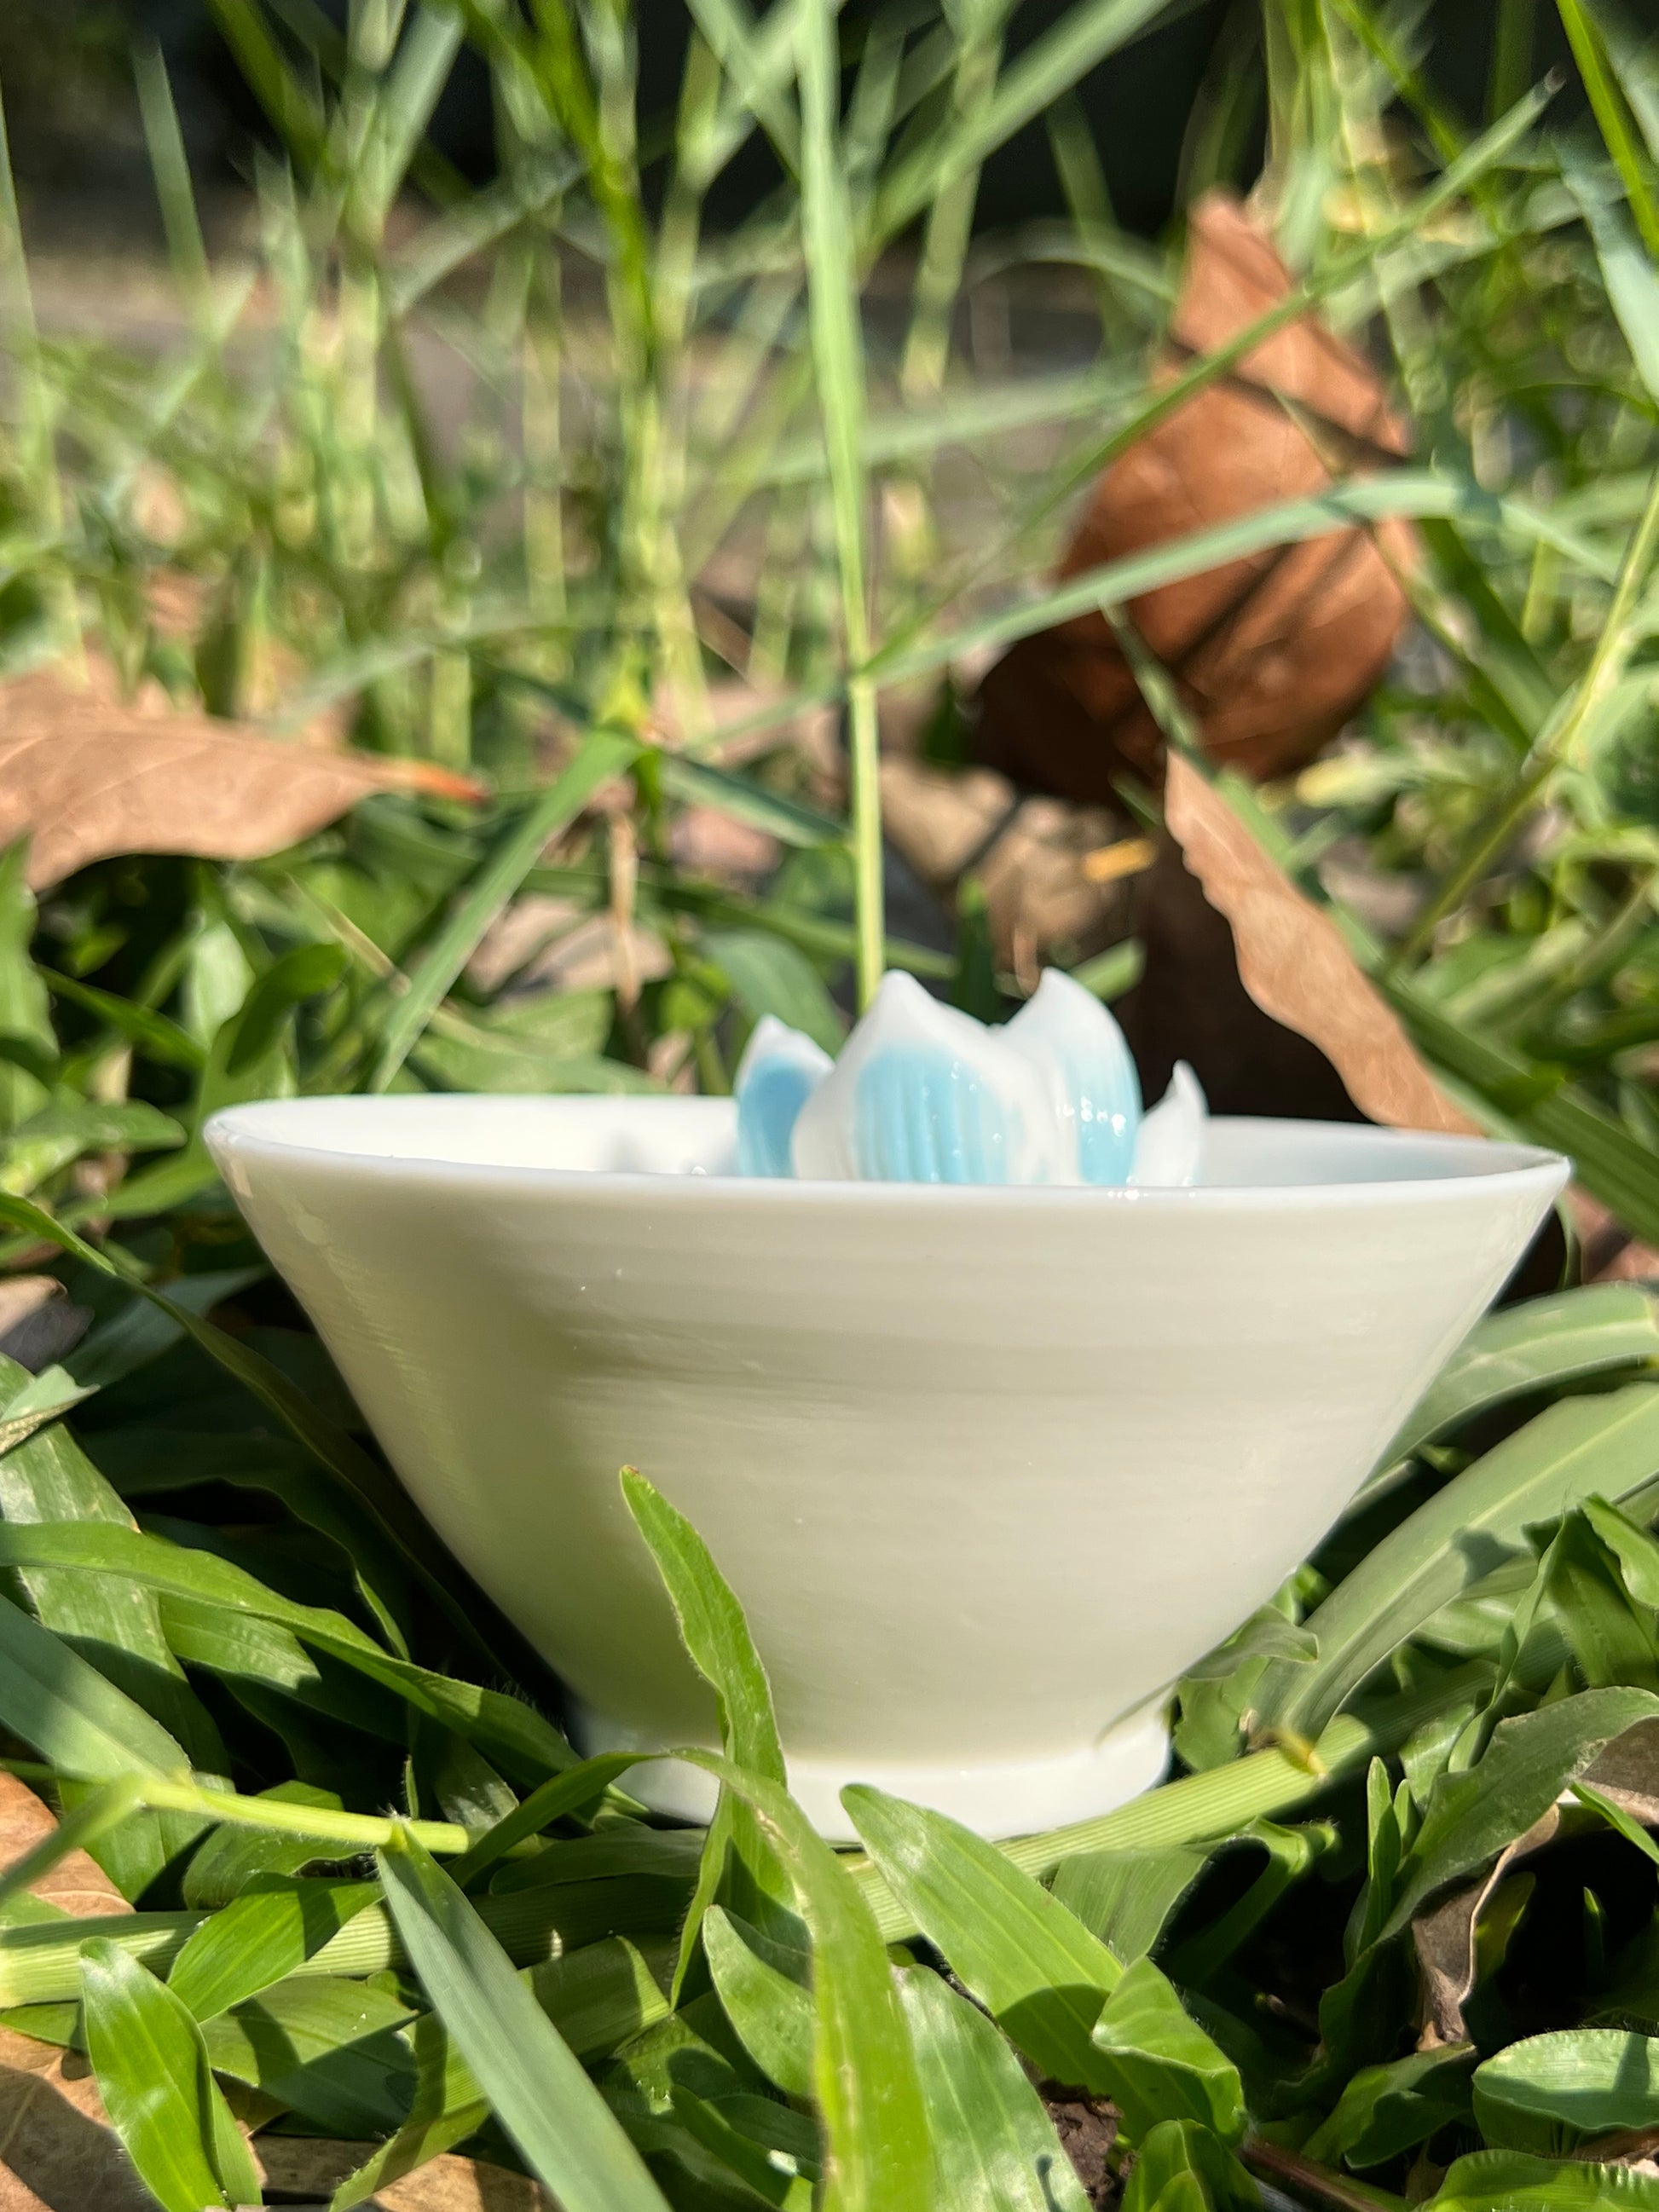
<point x="924" y="1093"/>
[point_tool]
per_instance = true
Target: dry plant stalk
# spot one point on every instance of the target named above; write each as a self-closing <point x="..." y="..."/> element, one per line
<point x="1272" y="653"/>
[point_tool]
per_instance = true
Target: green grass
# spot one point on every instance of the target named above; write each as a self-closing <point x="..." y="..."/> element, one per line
<point x="249" y="1685"/>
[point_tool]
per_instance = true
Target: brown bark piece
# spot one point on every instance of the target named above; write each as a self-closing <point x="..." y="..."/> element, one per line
<point x="85" y="775"/>
<point x="1294" y="964"/>
<point x="1272" y="653"/>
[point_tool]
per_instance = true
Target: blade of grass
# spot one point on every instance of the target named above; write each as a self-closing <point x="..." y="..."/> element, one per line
<point x="82" y="1725"/>
<point x="153" y="2075"/>
<point x="500" y="1725"/>
<point x="1544" y="1345"/>
<point x="994" y="2142"/>
<point x="1016" y="1949"/>
<point x="877" y="2154"/>
<point x="1604" y="1445"/>
<point x="1589" y="50"/>
<point x="536" y="2085"/>
<point x="838" y="344"/>
<point x="604" y="754"/>
<point x="717" y="1639"/>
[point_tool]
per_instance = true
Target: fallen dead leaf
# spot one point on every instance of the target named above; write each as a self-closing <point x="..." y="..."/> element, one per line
<point x="38" y="1322"/>
<point x="1294" y="964"/>
<point x="76" y="1883"/>
<point x="1446" y="1939"/>
<point x="57" y="2151"/>
<point x="85" y="775"/>
<point x="1272" y="653"/>
<point x="305" y="2166"/>
<point x="1627" y="1772"/>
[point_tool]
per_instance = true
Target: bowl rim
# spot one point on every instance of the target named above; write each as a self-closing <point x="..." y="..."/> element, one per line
<point x="244" y="1131"/>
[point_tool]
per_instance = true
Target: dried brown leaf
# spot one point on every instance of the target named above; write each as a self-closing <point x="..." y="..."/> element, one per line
<point x="1626" y="1771"/>
<point x="85" y="775"/>
<point x="1293" y="963"/>
<point x="76" y="1883"/>
<point x="301" y="2165"/>
<point x="38" y="1322"/>
<point x="1272" y="653"/>
<point x="1446" y="1939"/>
<point x="57" y="2151"/>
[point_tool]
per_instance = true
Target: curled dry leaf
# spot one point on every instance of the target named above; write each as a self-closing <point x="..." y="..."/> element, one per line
<point x="85" y="775"/>
<point x="1273" y="653"/>
<point x="1294" y="964"/>
<point x="1446" y="1939"/>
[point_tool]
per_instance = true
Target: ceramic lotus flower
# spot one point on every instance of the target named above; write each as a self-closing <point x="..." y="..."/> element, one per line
<point x="924" y="1093"/>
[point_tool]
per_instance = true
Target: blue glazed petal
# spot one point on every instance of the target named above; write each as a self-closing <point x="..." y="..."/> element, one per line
<point x="920" y="1115"/>
<point x="1066" y="1027"/>
<point x="781" y="1071"/>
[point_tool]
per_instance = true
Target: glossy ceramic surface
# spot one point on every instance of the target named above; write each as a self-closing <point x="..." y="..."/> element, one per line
<point x="987" y="1467"/>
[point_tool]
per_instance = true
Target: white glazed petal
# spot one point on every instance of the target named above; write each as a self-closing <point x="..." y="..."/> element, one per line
<point x="778" y="1073"/>
<point x="923" y="1093"/>
<point x="1066" y="1031"/>
<point x="1171" y="1141"/>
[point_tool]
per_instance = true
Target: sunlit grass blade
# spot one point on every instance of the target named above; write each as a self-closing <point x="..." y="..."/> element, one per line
<point x="578" y="1786"/>
<point x="76" y="1719"/>
<point x="876" y="2143"/>
<point x="1543" y="1344"/>
<point x="771" y="2014"/>
<point x="501" y="1726"/>
<point x="265" y="1935"/>
<point x="1589" y="50"/>
<point x="534" y="2083"/>
<point x="604" y="754"/>
<point x="1632" y="285"/>
<point x="994" y="2142"/>
<point x="1040" y="1973"/>
<point x="1050" y="65"/>
<point x="292" y="110"/>
<point x="837" y="342"/>
<point x="171" y="170"/>
<point x="716" y="1636"/>
<point x="1411" y="493"/>
<point x="1607" y="1446"/>
<point x="152" y="2073"/>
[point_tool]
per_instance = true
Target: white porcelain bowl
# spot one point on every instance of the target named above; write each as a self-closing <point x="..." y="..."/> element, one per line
<point x="986" y="1468"/>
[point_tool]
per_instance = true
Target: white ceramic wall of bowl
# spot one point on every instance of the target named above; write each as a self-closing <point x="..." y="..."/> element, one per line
<point x="986" y="1468"/>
